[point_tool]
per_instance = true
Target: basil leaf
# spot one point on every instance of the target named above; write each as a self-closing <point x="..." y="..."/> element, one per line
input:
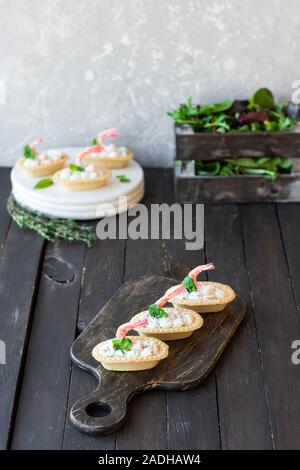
<point x="74" y="167"/>
<point x="29" y="153"/>
<point x="123" y="179"/>
<point x="189" y="284"/>
<point x="123" y="344"/>
<point x="126" y="344"/>
<point x="156" y="312"/>
<point x="44" y="183"/>
<point x="95" y="142"/>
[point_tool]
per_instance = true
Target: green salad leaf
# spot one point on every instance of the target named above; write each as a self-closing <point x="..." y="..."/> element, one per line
<point x="259" y="113"/>
<point x="267" y="167"/>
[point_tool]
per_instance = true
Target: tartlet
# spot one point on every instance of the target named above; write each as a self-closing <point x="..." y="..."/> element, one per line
<point x="105" y="156"/>
<point x="164" y="328"/>
<point x="43" y="167"/>
<point x="201" y="303"/>
<point x="127" y="360"/>
<point x="75" y="178"/>
<point x="101" y="161"/>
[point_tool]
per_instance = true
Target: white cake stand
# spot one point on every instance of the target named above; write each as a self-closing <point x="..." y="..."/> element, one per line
<point x="114" y="198"/>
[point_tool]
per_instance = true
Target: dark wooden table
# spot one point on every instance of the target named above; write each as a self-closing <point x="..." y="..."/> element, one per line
<point x="49" y="292"/>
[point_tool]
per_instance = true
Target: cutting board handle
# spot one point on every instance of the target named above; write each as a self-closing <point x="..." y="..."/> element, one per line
<point x="98" y="414"/>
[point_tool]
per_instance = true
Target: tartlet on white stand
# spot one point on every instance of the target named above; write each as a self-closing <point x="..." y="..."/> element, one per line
<point x="113" y="198"/>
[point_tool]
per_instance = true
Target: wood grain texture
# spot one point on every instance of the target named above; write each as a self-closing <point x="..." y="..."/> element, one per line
<point x="276" y="320"/>
<point x="205" y="146"/>
<point x="103" y="275"/>
<point x="289" y="219"/>
<point x="189" y="361"/>
<point x="239" y="188"/>
<point x="41" y="412"/>
<point x="240" y="384"/>
<point x="19" y="277"/>
<point x="5" y="188"/>
<point x="192" y="417"/>
<point x="145" y="257"/>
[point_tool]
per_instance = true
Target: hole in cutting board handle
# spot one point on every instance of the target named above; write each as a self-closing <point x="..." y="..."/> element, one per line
<point x="98" y="409"/>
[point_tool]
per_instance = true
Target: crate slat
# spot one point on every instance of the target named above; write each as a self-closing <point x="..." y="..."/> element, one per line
<point x="205" y="146"/>
<point x="240" y="188"/>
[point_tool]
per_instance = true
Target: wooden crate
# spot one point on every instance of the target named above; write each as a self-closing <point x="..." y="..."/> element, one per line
<point x="192" y="146"/>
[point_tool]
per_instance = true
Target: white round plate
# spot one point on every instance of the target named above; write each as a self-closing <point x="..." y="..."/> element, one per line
<point x="114" y="198"/>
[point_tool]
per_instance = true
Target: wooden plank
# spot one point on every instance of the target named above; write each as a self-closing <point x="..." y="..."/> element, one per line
<point x="19" y="273"/>
<point x="289" y="218"/>
<point x="239" y="188"/>
<point x="192" y="416"/>
<point x="205" y="146"/>
<point x="103" y="275"/>
<point x="144" y="257"/>
<point x="276" y="320"/>
<point x="240" y="384"/>
<point x="41" y="412"/>
<point x="5" y="188"/>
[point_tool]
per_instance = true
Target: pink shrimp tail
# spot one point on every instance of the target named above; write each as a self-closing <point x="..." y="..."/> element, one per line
<point x="105" y="134"/>
<point x="168" y="295"/>
<point x="199" y="269"/>
<point x="123" y="329"/>
<point x="35" y="143"/>
<point x="87" y="151"/>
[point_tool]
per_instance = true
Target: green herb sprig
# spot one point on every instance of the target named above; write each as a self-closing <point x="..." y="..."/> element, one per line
<point x="156" y="312"/>
<point x="44" y="183"/>
<point x="74" y="167"/>
<point x="189" y="284"/>
<point x="123" y="179"/>
<point x="124" y="344"/>
<point x="29" y="153"/>
<point x="50" y="229"/>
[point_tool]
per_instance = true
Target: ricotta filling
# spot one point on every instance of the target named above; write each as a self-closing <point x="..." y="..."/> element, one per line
<point x="140" y="349"/>
<point x="88" y="173"/>
<point x="175" y="319"/>
<point x="47" y="157"/>
<point x="203" y="292"/>
<point x="112" y="151"/>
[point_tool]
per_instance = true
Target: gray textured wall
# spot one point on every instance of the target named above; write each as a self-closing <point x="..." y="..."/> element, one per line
<point x="71" y="68"/>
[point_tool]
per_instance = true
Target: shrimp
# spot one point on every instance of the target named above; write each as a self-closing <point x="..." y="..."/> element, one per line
<point x="199" y="269"/>
<point x="87" y="151"/>
<point x="168" y="295"/>
<point x="104" y="135"/>
<point x="35" y="143"/>
<point x="123" y="329"/>
<point x="172" y="293"/>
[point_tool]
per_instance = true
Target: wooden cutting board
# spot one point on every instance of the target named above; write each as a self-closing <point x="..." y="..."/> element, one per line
<point x="189" y="362"/>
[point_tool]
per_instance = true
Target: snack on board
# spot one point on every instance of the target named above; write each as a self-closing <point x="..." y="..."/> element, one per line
<point x="168" y="323"/>
<point x="78" y="178"/>
<point x="204" y="296"/>
<point x="105" y="156"/>
<point x="41" y="164"/>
